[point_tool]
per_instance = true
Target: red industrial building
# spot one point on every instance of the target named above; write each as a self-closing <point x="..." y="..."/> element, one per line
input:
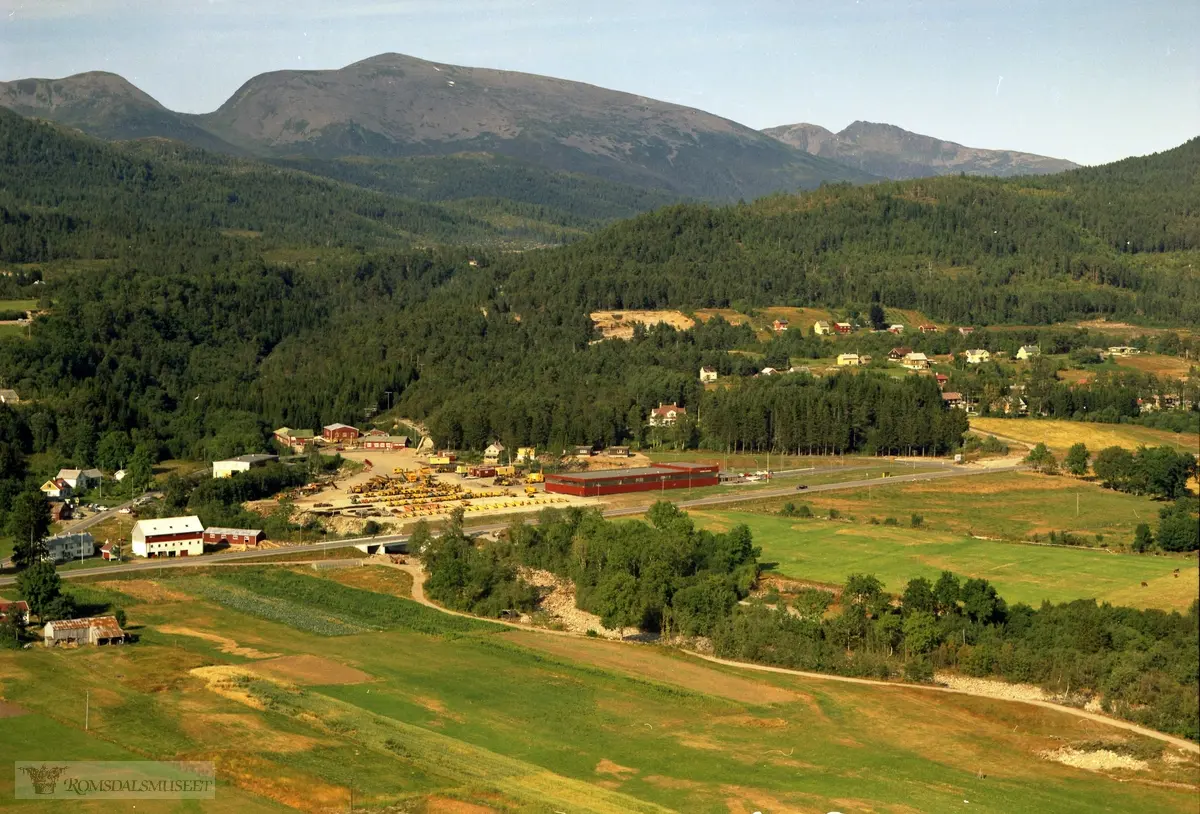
<point x="339" y="432"/>
<point x="644" y="479"/>
<point x="385" y="442"/>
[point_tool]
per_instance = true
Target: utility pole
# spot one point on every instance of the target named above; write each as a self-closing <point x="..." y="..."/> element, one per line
<point x="87" y="709"/>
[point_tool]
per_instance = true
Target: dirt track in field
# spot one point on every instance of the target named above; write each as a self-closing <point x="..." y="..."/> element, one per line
<point x="638" y="660"/>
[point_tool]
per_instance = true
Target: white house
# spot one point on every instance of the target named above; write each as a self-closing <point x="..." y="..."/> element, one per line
<point x="822" y="328"/>
<point x="80" y="480"/>
<point x="666" y="415"/>
<point x="9" y="397"/>
<point x="242" y="463"/>
<point x="708" y="374"/>
<point x="915" y="361"/>
<point x="896" y="328"/>
<point x="848" y="360"/>
<point x="1028" y="352"/>
<point x="768" y="371"/>
<point x="977" y="356"/>
<point x="119" y="475"/>
<point x="492" y="453"/>
<point x="70" y="547"/>
<point x="168" y="537"/>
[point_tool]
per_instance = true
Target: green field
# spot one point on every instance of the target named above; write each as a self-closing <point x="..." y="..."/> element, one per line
<point x="519" y="721"/>
<point x="829" y="551"/>
<point x="1012" y="506"/>
<point x="12" y="329"/>
<point x="18" y="305"/>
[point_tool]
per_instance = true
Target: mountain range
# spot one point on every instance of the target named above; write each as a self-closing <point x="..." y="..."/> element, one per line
<point x="892" y="152"/>
<point x="392" y="107"/>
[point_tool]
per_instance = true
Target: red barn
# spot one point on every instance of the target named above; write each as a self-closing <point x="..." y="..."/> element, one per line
<point x="643" y="479"/>
<point x="843" y="327"/>
<point x="340" y="432"/>
<point x="217" y="535"/>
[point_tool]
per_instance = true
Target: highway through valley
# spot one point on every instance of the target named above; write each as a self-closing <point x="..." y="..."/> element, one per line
<point x="943" y="472"/>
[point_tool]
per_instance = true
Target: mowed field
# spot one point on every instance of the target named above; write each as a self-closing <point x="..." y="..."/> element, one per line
<point x="1012" y="506"/>
<point x="829" y="551"/>
<point x="1061" y="435"/>
<point x="427" y="713"/>
<point x="1159" y="365"/>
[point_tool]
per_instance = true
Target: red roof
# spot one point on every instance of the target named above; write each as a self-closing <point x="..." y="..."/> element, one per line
<point x="667" y="409"/>
<point x="7" y="607"/>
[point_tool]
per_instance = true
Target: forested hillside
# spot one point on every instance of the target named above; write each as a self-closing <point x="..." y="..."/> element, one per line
<point x="195" y="337"/>
<point x="971" y="250"/>
<point x="64" y="195"/>
<point x="494" y="187"/>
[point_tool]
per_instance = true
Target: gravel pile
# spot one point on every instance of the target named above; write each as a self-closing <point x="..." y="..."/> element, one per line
<point x="1101" y="760"/>
<point x="558" y="600"/>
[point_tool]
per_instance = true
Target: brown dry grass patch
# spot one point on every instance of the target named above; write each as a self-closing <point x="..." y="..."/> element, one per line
<point x="241" y="732"/>
<point x="11" y="710"/>
<point x="309" y="670"/>
<point x="606" y="766"/>
<point x="641" y="661"/>
<point x="302" y="792"/>
<point x="619" y="324"/>
<point x="378" y="579"/>
<point x="743" y="800"/>
<point x="226" y="644"/>
<point x="222" y="679"/>
<point x="144" y="589"/>
<point x="1157" y="364"/>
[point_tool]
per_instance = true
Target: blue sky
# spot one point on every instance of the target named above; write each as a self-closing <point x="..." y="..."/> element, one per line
<point x="1089" y="81"/>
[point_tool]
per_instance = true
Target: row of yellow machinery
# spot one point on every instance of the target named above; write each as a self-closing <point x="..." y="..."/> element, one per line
<point x="444" y="508"/>
<point x="419" y="492"/>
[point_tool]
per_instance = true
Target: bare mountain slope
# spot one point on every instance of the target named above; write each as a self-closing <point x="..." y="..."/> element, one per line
<point x="393" y="105"/>
<point x="892" y="152"/>
<point x="103" y="105"/>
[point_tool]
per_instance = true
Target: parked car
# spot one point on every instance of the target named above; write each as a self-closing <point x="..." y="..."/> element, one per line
<point x="801" y="487"/>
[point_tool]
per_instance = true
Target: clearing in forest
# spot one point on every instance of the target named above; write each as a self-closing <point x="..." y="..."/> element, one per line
<point x="619" y="324"/>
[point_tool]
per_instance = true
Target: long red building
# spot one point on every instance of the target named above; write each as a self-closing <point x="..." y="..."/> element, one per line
<point x="644" y="479"/>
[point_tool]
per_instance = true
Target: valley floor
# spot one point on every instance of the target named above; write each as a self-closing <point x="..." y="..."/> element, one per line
<point x="436" y="713"/>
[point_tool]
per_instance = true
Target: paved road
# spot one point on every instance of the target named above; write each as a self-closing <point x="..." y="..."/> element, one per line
<point x="95" y="519"/>
<point x="948" y="471"/>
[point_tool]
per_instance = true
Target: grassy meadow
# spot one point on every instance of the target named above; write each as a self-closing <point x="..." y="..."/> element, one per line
<point x="1060" y="435"/>
<point x="434" y="714"/>
<point x="828" y="551"/>
<point x="1012" y="506"/>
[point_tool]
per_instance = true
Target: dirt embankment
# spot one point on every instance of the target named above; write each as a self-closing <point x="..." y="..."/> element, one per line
<point x="558" y="601"/>
<point x="619" y="324"/>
